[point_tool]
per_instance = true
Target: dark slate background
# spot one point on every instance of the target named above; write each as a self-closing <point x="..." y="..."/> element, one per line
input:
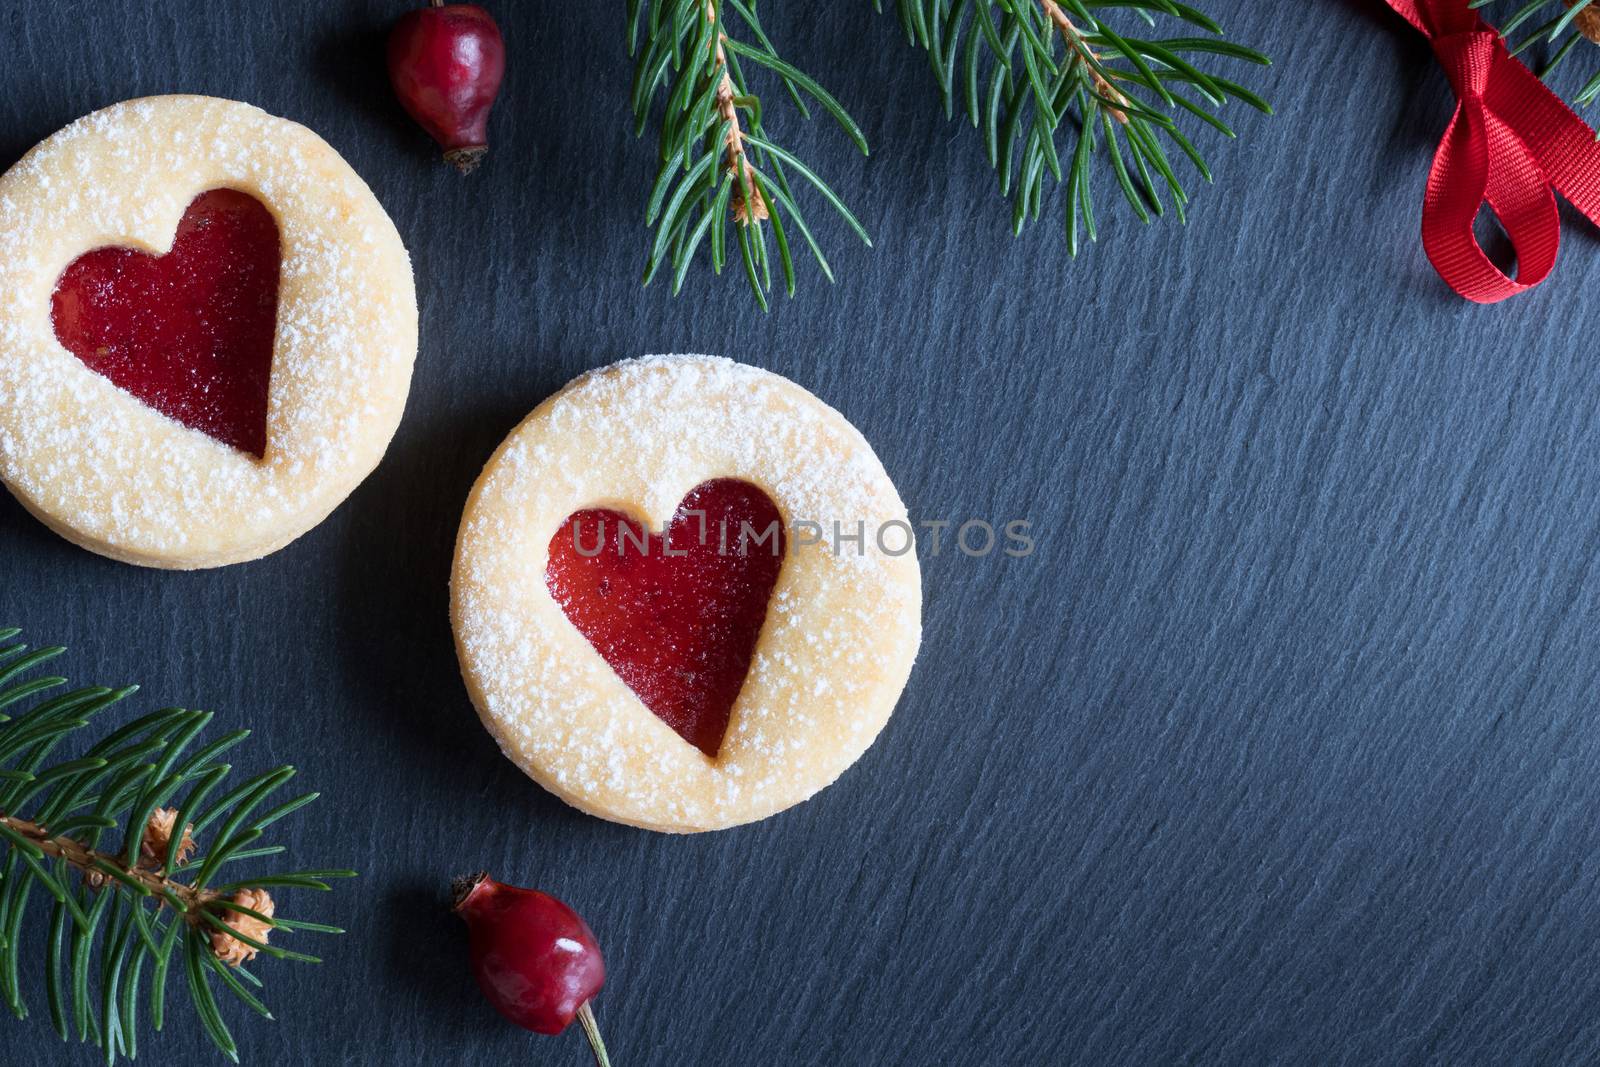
<point x="1281" y="748"/>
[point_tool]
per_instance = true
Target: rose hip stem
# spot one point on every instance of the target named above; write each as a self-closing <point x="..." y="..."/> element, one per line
<point x="591" y="1030"/>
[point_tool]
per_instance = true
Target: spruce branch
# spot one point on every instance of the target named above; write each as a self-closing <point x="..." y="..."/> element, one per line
<point x="123" y="913"/>
<point x="1563" y="27"/>
<point x="718" y="162"/>
<point x="1055" y="86"/>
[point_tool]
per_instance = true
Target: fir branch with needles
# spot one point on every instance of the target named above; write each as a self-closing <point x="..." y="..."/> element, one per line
<point x="1558" y="29"/>
<point x="718" y="162"/>
<point x="123" y="915"/>
<point x="1061" y="88"/>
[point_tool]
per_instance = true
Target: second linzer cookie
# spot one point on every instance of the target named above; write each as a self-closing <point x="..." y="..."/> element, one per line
<point x="711" y="674"/>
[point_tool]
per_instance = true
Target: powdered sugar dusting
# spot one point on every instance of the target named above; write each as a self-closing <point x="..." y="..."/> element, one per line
<point x="124" y="479"/>
<point x="842" y="627"/>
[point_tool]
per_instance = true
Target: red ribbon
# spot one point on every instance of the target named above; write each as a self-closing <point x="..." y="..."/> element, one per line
<point x="1509" y="141"/>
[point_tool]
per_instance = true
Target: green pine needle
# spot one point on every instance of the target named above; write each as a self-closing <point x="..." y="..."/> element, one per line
<point x="115" y="917"/>
<point x="719" y="164"/>
<point x="1550" y="30"/>
<point x="1058" y="89"/>
<point x="1028" y="73"/>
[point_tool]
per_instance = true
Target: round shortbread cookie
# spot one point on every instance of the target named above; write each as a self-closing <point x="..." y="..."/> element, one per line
<point x="841" y="631"/>
<point x="116" y="476"/>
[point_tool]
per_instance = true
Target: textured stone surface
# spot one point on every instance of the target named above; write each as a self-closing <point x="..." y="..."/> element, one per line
<point x="1281" y="748"/>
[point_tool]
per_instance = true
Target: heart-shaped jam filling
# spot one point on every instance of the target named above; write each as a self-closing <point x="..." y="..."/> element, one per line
<point x="189" y="333"/>
<point x="676" y="615"/>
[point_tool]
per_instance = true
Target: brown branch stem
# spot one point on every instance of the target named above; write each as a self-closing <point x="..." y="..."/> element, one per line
<point x="737" y="165"/>
<point x="88" y="860"/>
<point x="1110" y="94"/>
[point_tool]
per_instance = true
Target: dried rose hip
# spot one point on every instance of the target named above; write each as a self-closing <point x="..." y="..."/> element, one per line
<point x="445" y="63"/>
<point x="534" y="958"/>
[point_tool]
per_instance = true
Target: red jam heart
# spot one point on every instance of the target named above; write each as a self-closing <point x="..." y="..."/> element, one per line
<point x="676" y="616"/>
<point x="189" y="333"/>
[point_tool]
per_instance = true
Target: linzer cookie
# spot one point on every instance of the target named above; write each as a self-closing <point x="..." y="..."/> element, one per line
<point x="207" y="329"/>
<point x="648" y="616"/>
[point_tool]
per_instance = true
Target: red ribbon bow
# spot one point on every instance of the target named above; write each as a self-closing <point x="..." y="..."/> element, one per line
<point x="1510" y="140"/>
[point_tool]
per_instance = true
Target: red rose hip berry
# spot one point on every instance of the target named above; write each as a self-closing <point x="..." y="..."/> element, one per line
<point x="535" y="960"/>
<point x="445" y="63"/>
